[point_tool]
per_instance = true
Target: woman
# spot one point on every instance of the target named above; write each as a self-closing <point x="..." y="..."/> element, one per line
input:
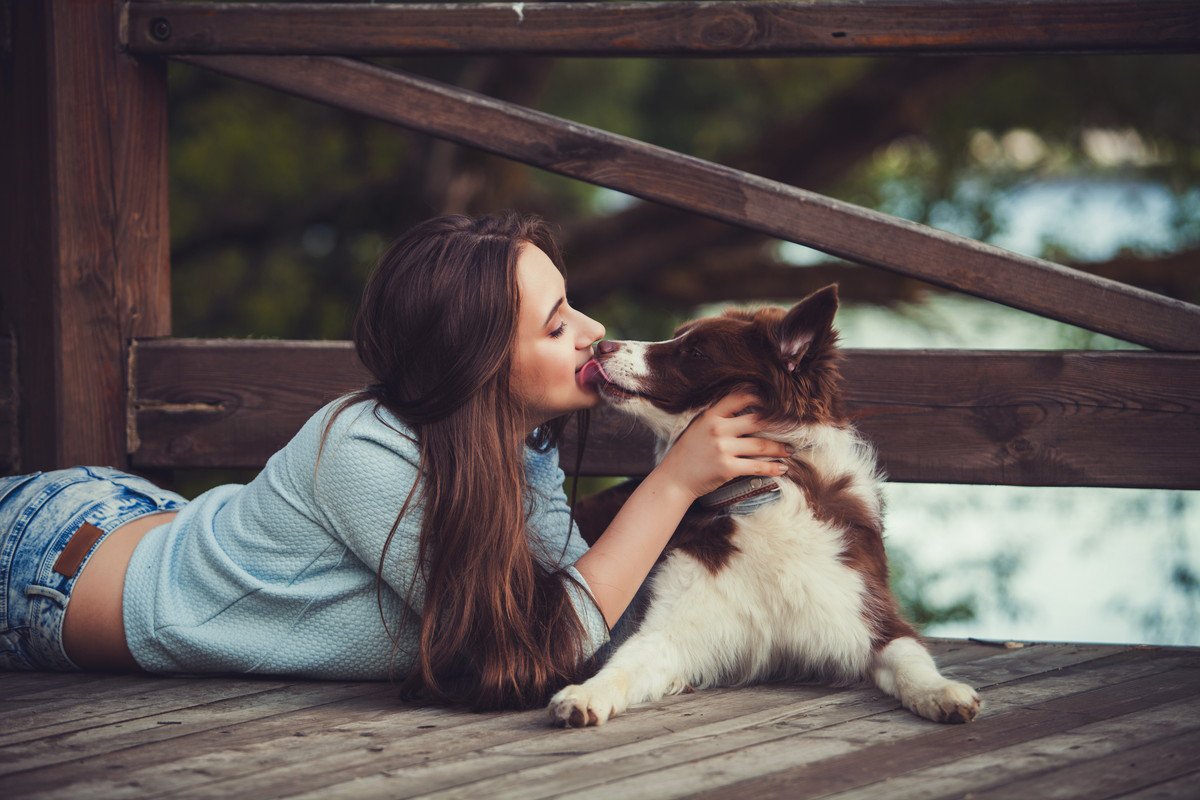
<point x="431" y="499"/>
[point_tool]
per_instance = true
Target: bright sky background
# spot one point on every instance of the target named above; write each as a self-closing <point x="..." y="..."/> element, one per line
<point x="1091" y="564"/>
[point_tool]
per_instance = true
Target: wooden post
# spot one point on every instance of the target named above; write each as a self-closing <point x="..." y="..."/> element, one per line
<point x="84" y="239"/>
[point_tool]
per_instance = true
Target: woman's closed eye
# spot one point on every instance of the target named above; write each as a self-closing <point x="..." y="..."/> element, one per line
<point x="559" y="331"/>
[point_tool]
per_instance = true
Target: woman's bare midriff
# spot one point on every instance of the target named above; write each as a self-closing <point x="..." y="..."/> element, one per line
<point x="93" y="627"/>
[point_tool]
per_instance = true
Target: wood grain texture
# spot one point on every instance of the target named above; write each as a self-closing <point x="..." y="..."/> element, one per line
<point x="86" y="217"/>
<point x="532" y="768"/>
<point x="1040" y="760"/>
<point x="1058" y="717"/>
<point x="1040" y="418"/>
<point x="831" y="27"/>
<point x="729" y="195"/>
<point x="1015" y="719"/>
<point x="311" y="737"/>
<point x="167" y="709"/>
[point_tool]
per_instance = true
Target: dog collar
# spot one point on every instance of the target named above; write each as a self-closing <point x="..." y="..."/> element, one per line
<point x="741" y="495"/>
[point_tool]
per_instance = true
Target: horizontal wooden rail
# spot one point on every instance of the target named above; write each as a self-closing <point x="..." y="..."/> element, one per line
<point x="829" y="27"/>
<point x="1040" y="418"/>
<point x="662" y="175"/>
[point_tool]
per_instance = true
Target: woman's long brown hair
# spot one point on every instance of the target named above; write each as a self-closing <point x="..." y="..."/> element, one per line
<point x="437" y="328"/>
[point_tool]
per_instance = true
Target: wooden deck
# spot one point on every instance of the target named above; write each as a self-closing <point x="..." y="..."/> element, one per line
<point x="1058" y="721"/>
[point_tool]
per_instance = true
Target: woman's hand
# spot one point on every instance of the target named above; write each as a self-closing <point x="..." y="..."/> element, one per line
<point x="718" y="446"/>
<point x="715" y="447"/>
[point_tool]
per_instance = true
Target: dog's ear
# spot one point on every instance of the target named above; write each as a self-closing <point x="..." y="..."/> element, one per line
<point x="807" y="322"/>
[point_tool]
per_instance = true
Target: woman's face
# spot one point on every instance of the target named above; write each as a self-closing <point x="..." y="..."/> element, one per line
<point x="553" y="342"/>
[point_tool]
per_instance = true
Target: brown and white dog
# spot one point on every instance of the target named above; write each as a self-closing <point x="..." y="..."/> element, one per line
<point x="797" y="587"/>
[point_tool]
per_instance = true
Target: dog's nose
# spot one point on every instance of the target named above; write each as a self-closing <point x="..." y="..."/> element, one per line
<point x="608" y="347"/>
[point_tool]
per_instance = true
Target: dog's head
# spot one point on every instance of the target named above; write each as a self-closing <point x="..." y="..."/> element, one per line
<point x="786" y="356"/>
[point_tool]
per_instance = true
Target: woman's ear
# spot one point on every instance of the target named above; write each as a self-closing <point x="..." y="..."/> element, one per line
<point x="807" y="322"/>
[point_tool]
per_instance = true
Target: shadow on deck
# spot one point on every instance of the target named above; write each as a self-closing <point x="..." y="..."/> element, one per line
<point x="1058" y="721"/>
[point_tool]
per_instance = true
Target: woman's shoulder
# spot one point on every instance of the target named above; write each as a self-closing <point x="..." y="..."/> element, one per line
<point x="364" y="420"/>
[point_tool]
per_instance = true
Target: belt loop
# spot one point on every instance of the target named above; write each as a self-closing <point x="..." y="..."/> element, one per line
<point x="45" y="591"/>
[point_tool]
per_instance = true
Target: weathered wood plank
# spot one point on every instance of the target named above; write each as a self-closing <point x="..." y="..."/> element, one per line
<point x="83" y="213"/>
<point x="231" y="402"/>
<point x="532" y="768"/>
<point x="1027" y="418"/>
<point x="361" y="741"/>
<point x="25" y="763"/>
<point x="878" y="761"/>
<point x="20" y="685"/>
<point x="972" y="775"/>
<point x="117" y="704"/>
<point x="357" y="738"/>
<point x="813" y="763"/>
<point x="234" y="748"/>
<point x="528" y="740"/>
<point x="726" y="194"/>
<point x="1137" y="768"/>
<point x="668" y="29"/>
<point x="548" y="775"/>
<point x="114" y="704"/>
<point x="1051" y="418"/>
<point x="254" y="747"/>
<point x="1181" y="788"/>
<point x="477" y="745"/>
<point x="62" y="704"/>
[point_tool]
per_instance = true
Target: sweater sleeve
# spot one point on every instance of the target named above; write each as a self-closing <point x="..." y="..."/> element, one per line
<point x="557" y="543"/>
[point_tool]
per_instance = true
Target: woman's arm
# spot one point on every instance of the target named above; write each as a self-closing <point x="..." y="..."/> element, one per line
<point x="716" y="447"/>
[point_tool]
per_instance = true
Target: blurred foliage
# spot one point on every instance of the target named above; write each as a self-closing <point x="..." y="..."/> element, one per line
<point x="913" y="588"/>
<point x="279" y="206"/>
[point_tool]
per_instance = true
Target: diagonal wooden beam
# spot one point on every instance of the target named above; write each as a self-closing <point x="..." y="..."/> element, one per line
<point x="841" y="27"/>
<point x="726" y="194"/>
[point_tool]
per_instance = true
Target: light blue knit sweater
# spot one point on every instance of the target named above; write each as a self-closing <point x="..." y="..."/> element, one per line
<point x="273" y="578"/>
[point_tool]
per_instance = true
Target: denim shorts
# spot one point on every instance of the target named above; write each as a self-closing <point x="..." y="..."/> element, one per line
<point x="39" y="512"/>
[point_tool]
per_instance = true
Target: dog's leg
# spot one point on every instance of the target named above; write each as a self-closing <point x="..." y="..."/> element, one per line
<point x="676" y="645"/>
<point x="646" y="667"/>
<point x="904" y="669"/>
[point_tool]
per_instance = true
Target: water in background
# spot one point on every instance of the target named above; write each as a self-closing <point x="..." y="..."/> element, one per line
<point x="1052" y="564"/>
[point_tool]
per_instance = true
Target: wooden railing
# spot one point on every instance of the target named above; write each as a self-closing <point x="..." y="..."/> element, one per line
<point x="1048" y="418"/>
<point x="98" y="380"/>
<point x="828" y="27"/>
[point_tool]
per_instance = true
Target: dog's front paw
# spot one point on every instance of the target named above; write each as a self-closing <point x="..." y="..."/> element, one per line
<point x="590" y="704"/>
<point x="950" y="702"/>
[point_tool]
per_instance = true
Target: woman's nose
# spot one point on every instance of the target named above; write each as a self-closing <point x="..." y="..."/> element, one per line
<point x="606" y="346"/>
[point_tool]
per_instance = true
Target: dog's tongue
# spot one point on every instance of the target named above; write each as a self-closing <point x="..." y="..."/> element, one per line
<point x="591" y="373"/>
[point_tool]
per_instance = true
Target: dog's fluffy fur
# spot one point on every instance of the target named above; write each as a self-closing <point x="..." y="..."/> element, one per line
<point x="799" y="587"/>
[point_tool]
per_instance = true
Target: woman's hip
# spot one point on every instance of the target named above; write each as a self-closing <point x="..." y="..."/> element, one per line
<point x="50" y="525"/>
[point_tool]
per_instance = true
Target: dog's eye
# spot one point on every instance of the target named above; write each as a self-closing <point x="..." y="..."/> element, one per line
<point x="696" y="352"/>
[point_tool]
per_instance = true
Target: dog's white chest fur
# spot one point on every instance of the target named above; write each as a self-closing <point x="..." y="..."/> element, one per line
<point x="786" y="604"/>
<point x="789" y="572"/>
